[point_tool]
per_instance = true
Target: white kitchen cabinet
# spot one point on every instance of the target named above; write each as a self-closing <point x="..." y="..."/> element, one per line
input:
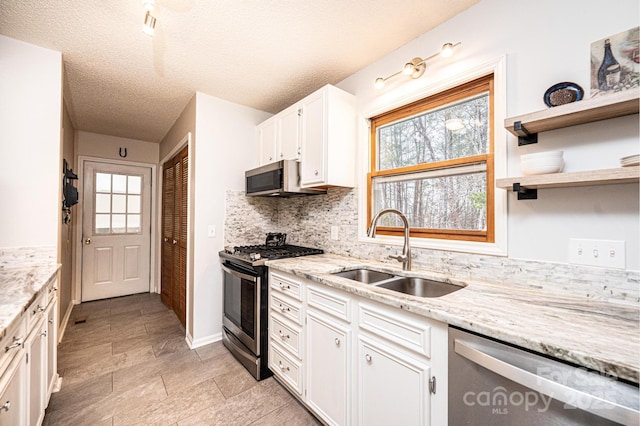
<point x="36" y="356"/>
<point x="13" y="392"/>
<point x="52" y="343"/>
<point x="328" y="135"/>
<point x="328" y="368"/>
<point x="351" y="360"/>
<point x="393" y="387"/>
<point x="288" y="134"/>
<point x="266" y="135"/>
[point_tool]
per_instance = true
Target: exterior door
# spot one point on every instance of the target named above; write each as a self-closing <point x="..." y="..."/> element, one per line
<point x="173" y="284"/>
<point x="116" y="230"/>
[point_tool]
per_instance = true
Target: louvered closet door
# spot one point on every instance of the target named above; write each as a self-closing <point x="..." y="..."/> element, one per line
<point x="174" y="241"/>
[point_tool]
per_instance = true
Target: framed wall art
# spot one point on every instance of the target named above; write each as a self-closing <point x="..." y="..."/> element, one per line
<point x="615" y="63"/>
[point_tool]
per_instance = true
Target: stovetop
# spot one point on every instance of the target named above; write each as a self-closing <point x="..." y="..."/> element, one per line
<point x="256" y="255"/>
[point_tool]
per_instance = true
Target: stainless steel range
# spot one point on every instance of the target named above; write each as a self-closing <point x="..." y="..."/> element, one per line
<point x="246" y="297"/>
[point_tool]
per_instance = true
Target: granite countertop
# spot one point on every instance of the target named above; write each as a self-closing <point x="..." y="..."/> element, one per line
<point x="600" y="335"/>
<point x="19" y="286"/>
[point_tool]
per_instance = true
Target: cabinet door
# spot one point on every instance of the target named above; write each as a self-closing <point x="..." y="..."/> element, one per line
<point x="314" y="142"/>
<point x="288" y="134"/>
<point x="52" y="347"/>
<point x="392" y="387"/>
<point x="267" y="142"/>
<point x="36" y="352"/>
<point x="13" y="393"/>
<point x="328" y="369"/>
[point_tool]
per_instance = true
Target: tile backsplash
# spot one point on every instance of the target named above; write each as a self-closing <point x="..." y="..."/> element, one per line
<point x="307" y="221"/>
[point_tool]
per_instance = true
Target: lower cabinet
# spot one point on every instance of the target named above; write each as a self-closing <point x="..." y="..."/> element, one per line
<point x="328" y="368"/>
<point x="393" y="388"/>
<point x="36" y="354"/>
<point x="13" y="389"/>
<point x="361" y="362"/>
<point x="52" y="347"/>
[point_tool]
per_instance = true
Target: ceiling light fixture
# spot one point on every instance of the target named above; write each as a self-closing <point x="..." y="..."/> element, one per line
<point x="454" y="124"/>
<point x="416" y="67"/>
<point x="149" y="24"/>
<point x="148" y="5"/>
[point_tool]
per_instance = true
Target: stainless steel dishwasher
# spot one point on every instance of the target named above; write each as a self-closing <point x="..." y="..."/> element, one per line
<point x="494" y="383"/>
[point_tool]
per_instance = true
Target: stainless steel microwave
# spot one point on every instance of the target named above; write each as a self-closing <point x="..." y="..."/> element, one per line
<point x="279" y="179"/>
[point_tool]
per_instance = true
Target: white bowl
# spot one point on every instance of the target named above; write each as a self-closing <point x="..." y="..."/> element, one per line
<point x="541" y="167"/>
<point x="542" y="155"/>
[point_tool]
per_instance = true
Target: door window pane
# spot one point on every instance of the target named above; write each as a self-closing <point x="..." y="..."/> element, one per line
<point x="133" y="223"/>
<point x="103" y="203"/>
<point x="135" y="185"/>
<point x="103" y="182"/>
<point x="119" y="184"/>
<point x="133" y="204"/>
<point x="119" y="203"/>
<point x="103" y="225"/>
<point x="118" y="223"/>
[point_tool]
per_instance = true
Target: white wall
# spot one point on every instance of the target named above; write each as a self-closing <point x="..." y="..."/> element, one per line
<point x="106" y="146"/>
<point x="545" y="42"/>
<point x="224" y="147"/>
<point x="30" y="140"/>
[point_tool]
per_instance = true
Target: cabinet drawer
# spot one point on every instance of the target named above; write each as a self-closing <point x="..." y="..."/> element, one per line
<point x="12" y="342"/>
<point x="397" y="328"/>
<point x="285" y="368"/>
<point x="286" y="335"/>
<point x="52" y="290"/>
<point x="330" y="302"/>
<point x="37" y="308"/>
<point x="286" y="286"/>
<point x="286" y="308"/>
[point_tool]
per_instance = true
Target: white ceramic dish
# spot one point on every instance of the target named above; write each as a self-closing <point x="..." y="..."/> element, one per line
<point x="540" y="163"/>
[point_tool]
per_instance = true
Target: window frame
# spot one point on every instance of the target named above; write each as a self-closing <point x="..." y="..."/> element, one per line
<point x="464" y="90"/>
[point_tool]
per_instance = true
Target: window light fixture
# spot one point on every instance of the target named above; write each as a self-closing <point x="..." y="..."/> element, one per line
<point x="149" y="24"/>
<point x="416" y="67"/>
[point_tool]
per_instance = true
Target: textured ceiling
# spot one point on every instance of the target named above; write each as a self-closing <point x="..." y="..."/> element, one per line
<point x="265" y="54"/>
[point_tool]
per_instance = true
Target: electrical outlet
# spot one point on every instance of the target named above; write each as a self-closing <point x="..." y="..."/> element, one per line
<point x="603" y="253"/>
<point x="334" y="232"/>
<point x="211" y="231"/>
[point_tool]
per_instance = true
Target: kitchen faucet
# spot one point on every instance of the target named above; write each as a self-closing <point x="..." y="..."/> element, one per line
<point x="405" y="257"/>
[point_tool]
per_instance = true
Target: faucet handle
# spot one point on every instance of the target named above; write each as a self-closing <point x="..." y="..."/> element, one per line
<point x="399" y="258"/>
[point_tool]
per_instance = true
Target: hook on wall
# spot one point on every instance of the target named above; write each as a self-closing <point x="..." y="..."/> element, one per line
<point x="121" y="154"/>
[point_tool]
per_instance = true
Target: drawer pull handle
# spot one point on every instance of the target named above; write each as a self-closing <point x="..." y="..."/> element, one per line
<point x="17" y="343"/>
<point x="337" y="341"/>
<point x="52" y="289"/>
<point x="368" y="358"/>
<point x="43" y="334"/>
<point x="282" y="367"/>
<point x="38" y="309"/>
<point x="283" y="336"/>
<point x="285" y="287"/>
<point x="6" y="406"/>
<point x="284" y="308"/>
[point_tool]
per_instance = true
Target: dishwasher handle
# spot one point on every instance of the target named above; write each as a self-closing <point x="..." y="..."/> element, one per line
<point x="607" y="409"/>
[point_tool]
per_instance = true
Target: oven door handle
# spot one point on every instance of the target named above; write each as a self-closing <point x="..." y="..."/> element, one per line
<point x="240" y="274"/>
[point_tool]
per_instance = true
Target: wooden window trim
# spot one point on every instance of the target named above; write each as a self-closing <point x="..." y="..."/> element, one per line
<point x="463" y="91"/>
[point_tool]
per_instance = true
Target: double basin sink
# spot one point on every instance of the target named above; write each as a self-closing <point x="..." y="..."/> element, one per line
<point x="412" y="286"/>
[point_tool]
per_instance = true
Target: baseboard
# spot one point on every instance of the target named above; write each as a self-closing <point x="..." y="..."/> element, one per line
<point x="193" y="344"/>
<point x="65" y="320"/>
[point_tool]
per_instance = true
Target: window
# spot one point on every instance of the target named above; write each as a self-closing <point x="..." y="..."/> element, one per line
<point x="118" y="199"/>
<point x="433" y="160"/>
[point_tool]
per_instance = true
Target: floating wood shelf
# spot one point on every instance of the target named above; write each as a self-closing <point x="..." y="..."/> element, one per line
<point x="581" y="112"/>
<point x="563" y="180"/>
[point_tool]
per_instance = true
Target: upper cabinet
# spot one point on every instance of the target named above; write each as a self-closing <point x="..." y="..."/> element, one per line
<point x="320" y="131"/>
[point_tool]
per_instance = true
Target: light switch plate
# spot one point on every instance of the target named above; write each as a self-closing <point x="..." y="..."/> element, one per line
<point x="603" y="253"/>
<point x="211" y="231"/>
<point x="334" y="232"/>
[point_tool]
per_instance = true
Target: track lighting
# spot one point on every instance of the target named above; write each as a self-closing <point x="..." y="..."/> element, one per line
<point x="416" y="67"/>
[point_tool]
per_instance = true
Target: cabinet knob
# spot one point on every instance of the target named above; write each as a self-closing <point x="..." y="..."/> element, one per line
<point x="166" y="240"/>
<point x="5" y="406"/>
<point x="43" y="334"/>
<point x="50" y="321"/>
<point x="315" y="172"/>
<point x="281" y="155"/>
<point x="175" y="242"/>
<point x="368" y="358"/>
<point x="337" y="341"/>
<point x="270" y="158"/>
<point x="282" y="367"/>
<point x="283" y="336"/>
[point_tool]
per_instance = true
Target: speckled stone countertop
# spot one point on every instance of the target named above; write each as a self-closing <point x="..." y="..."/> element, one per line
<point x="23" y="274"/>
<point x="599" y="335"/>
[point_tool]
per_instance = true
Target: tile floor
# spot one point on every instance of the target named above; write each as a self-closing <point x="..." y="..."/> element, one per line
<point x="128" y="363"/>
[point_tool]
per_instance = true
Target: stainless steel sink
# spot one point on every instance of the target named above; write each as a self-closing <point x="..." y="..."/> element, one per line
<point x="366" y="276"/>
<point x="418" y="286"/>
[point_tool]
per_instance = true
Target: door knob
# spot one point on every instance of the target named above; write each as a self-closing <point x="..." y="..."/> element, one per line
<point x="87" y="241"/>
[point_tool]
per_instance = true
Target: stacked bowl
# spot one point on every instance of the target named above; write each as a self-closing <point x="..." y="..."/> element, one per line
<point x="541" y="163"/>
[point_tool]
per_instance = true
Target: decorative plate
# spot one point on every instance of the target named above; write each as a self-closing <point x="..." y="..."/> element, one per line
<point x="563" y="93"/>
